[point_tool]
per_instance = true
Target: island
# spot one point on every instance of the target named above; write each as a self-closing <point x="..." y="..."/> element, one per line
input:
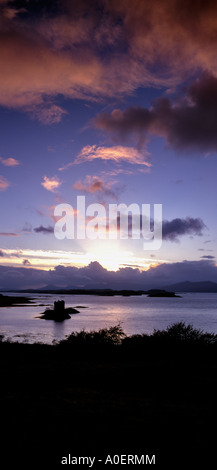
<point x="161" y="293"/>
<point x="59" y="312"/>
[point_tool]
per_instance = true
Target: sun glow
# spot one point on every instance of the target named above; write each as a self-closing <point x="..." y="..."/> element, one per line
<point x="112" y="257"/>
<point x="109" y="255"/>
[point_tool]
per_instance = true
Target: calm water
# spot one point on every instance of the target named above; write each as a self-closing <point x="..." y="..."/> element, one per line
<point x="136" y="314"/>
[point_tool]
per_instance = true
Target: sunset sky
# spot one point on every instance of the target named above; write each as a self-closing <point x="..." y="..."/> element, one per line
<point x="115" y="100"/>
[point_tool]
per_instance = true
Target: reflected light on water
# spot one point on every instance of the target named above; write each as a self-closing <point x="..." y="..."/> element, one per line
<point x="136" y="314"/>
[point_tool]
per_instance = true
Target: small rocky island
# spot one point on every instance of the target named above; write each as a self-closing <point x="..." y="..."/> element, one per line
<point x="161" y="293"/>
<point x="59" y="312"/>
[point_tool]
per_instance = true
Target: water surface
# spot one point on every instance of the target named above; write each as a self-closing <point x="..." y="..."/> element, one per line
<point x="137" y="314"/>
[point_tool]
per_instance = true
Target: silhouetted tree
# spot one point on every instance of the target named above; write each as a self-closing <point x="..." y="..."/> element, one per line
<point x="181" y="332"/>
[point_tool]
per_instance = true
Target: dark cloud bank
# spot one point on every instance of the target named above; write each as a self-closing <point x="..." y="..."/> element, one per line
<point x="45" y="230"/>
<point x="175" y="228"/>
<point x="171" y="229"/>
<point x="95" y="276"/>
<point x="188" y="123"/>
<point x="85" y="49"/>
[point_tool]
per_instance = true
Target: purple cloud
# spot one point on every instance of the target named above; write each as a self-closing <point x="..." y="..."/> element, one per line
<point x="175" y="228"/>
<point x="45" y="230"/>
<point x="95" y="276"/>
<point x="187" y="123"/>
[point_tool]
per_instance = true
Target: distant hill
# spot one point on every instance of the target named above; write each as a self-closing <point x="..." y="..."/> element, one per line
<point x="102" y="292"/>
<point x="188" y="286"/>
<point x="165" y="291"/>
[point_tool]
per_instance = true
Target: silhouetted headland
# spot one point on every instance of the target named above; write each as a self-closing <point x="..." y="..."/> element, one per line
<point x="6" y="301"/>
<point x="59" y="312"/>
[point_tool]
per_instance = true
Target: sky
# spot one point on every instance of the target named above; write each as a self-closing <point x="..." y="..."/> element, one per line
<point x="116" y="101"/>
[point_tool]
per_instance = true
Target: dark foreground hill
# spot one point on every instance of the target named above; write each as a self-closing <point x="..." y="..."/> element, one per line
<point x="102" y="393"/>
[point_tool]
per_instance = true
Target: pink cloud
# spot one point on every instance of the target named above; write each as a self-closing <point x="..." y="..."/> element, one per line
<point x="9" y="161"/>
<point x="151" y="43"/>
<point x="8" y="234"/>
<point x="51" y="114"/>
<point x="116" y="153"/>
<point x="51" y="184"/>
<point x="66" y="166"/>
<point x="94" y="184"/>
<point x="4" y="183"/>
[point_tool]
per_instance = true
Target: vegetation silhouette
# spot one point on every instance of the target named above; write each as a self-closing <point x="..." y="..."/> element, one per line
<point x="103" y="392"/>
<point x="113" y="336"/>
<point x="187" y="333"/>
